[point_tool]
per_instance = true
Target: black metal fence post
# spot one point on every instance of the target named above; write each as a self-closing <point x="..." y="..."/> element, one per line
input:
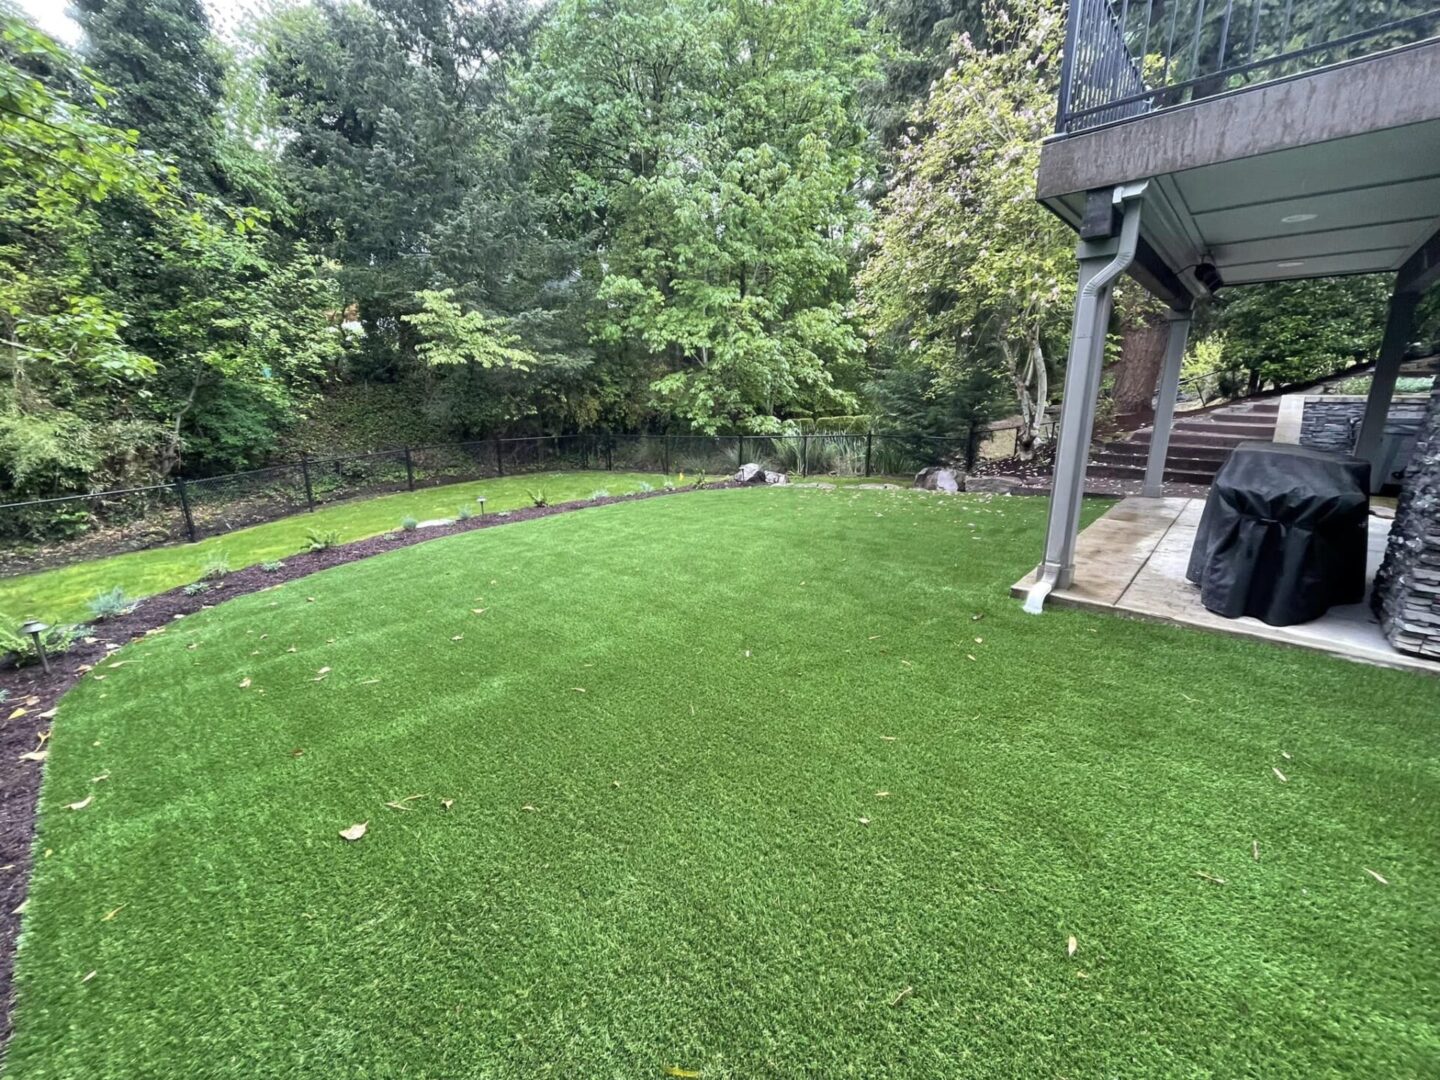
<point x="804" y="455"/>
<point x="869" y="442"/>
<point x="610" y="452"/>
<point x="667" y="455"/>
<point x="499" y="459"/>
<point x="409" y="470"/>
<point x="185" y="509"/>
<point x="309" y="490"/>
<point x="739" y="451"/>
<point x="972" y="447"/>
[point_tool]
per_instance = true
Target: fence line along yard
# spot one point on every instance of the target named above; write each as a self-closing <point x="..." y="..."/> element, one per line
<point x="41" y="533"/>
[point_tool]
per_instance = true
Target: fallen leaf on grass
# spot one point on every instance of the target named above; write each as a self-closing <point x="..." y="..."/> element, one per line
<point x="977" y="616"/>
<point x="309" y="599"/>
<point x="579" y="689"/>
<point x="458" y="637"/>
<point x="43" y="735"/>
<point x="98" y="779"/>
<point x="864" y="821"/>
<point x="49" y="714"/>
<point x="354" y="832"/>
<point x="35" y="755"/>
<point x="111" y="913"/>
<point x="81" y="804"/>
<point x="901" y="996"/>
<point x="445" y="804"/>
<point x="297" y="752"/>
<point x="477" y="611"/>
<point x="292" y="649"/>
<point x="882" y="794"/>
<point x="1279" y="775"/>
<point x="89" y="976"/>
<point x="675" y="1070"/>
<point x="1071" y="946"/>
<point x="368" y="682"/>
<point x="531" y="809"/>
<point x="20" y="910"/>
<point x="1255" y="850"/>
<point x="1285" y="755"/>
<point x="979" y="641"/>
<point x="1210" y="877"/>
<point x="969" y="656"/>
<point x="1376" y="876"/>
<point x="245" y="683"/>
<point x="887" y="738"/>
<point x="400" y="804"/>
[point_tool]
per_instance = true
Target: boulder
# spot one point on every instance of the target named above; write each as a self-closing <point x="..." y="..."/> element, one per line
<point x="940" y="478"/>
<point x="776" y="478"/>
<point x="1000" y="484"/>
<point x="750" y="474"/>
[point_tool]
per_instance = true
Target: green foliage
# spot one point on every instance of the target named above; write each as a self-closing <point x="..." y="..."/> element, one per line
<point x="537" y="498"/>
<point x="464" y="513"/>
<point x="409" y="524"/>
<point x="20" y="648"/>
<point x="272" y="566"/>
<point x="971" y="280"/>
<point x="448" y="334"/>
<point x="600" y="493"/>
<point x="111" y="603"/>
<point x="195" y="588"/>
<point x="321" y="539"/>
<point x="1296" y="331"/>
<point x="215" y="566"/>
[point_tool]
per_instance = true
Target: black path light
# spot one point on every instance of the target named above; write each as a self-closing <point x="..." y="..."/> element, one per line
<point x="34" y="627"/>
<point x="481" y="500"/>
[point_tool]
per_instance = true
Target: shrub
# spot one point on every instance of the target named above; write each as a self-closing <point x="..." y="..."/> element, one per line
<point x="272" y="567"/>
<point x="321" y="541"/>
<point x="107" y="605"/>
<point x="643" y="486"/>
<point x="57" y="639"/>
<point x="699" y="481"/>
<point x="599" y="493"/>
<point x="195" y="588"/>
<point x="538" y="498"/>
<point x="215" y="567"/>
<point x="409" y="524"/>
<point x="464" y="514"/>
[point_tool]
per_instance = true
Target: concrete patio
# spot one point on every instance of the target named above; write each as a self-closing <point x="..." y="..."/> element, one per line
<point x="1132" y="561"/>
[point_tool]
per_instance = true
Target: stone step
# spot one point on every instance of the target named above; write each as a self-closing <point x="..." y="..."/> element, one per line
<point x="1196" y="439"/>
<point x="1184" y="463"/>
<point x="1261" y="428"/>
<point x="1178" y="448"/>
<point x="1137" y="472"/>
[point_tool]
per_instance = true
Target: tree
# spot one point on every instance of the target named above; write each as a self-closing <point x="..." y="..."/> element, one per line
<point x="968" y="272"/>
<point x="918" y="35"/>
<point x="709" y="154"/>
<point x="165" y="79"/>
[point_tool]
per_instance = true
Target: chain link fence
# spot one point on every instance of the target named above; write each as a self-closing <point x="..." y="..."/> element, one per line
<point x="43" y="533"/>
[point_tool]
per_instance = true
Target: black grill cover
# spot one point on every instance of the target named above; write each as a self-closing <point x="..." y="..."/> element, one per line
<point x="1283" y="534"/>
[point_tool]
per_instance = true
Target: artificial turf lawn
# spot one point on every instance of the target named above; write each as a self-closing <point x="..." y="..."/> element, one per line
<point x="61" y="596"/>
<point x="700" y="698"/>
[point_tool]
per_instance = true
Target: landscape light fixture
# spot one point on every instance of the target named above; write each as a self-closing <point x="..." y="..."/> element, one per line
<point x="481" y="500"/>
<point x="35" y="628"/>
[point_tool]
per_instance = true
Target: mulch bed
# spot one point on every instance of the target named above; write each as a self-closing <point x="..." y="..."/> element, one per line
<point x="37" y="693"/>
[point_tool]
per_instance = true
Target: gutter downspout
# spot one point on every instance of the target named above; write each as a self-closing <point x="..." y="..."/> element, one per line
<point x="1087" y="310"/>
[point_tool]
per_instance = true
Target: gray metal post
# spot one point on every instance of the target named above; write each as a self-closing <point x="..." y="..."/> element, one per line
<point x="1101" y="262"/>
<point x="1167" y="390"/>
<point x="1398" y="325"/>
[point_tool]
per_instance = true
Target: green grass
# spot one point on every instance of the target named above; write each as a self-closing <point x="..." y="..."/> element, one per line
<point x="700" y="698"/>
<point x="62" y="595"/>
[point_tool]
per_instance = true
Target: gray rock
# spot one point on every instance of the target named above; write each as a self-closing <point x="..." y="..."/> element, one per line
<point x="751" y="474"/>
<point x="776" y="477"/>
<point x="821" y="484"/>
<point x="939" y="478"/>
<point x="1000" y="484"/>
<point x="876" y="487"/>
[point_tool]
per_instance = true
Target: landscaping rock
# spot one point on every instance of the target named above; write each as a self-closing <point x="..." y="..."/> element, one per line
<point x="820" y="484"/>
<point x="1001" y="484"/>
<point x="776" y="478"/>
<point x="939" y="478"/>
<point x="751" y="474"/>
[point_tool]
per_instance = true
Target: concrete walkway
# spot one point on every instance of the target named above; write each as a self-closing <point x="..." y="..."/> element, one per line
<point x="1132" y="561"/>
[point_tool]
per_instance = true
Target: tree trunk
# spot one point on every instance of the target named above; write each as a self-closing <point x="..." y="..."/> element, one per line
<point x="1142" y="354"/>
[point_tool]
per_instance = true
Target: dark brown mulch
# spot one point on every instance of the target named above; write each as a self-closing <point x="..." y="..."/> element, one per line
<point x="37" y="693"/>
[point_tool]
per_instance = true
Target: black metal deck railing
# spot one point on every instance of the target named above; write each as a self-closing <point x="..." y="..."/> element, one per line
<point x="1124" y="58"/>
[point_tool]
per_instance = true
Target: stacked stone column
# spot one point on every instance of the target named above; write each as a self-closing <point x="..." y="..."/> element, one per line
<point x="1407" y="586"/>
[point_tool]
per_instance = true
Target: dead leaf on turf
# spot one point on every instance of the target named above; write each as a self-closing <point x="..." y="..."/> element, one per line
<point x="354" y="832"/>
<point x="1285" y="755"/>
<point x="530" y="808"/>
<point x="578" y="689"/>
<point x="245" y="683"/>
<point x="458" y="637"/>
<point x="1279" y="775"/>
<point x="969" y="656"/>
<point x="882" y="794"/>
<point x="297" y="752"/>
<point x="81" y="804"/>
<point x="977" y="616"/>
<point x="98" y="779"/>
<point x="49" y="714"/>
<point x="447" y="803"/>
<point x="1071" y="946"/>
<point x="18" y="713"/>
<point x="1255" y="850"/>
<point x="1376" y="876"/>
<point x="864" y="821"/>
<point x="401" y="804"/>
<point x="89" y="976"/>
<point x="35" y="755"/>
<point x="1210" y="877"/>
<point x="901" y="996"/>
<point x="309" y="599"/>
<point x="111" y="913"/>
<point x="292" y="649"/>
<point x="477" y="611"/>
<point x="887" y="738"/>
<point x="675" y="1070"/>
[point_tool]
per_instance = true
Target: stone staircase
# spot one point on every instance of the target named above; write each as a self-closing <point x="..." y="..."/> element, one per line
<point x="1198" y="444"/>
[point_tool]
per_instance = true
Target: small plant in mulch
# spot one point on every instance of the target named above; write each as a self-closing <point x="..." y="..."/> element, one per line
<point x="274" y="566"/>
<point x="538" y="498"/>
<point x="110" y="604"/>
<point x="699" y="481"/>
<point x="643" y="487"/>
<point x="464" y="514"/>
<point x="318" y="540"/>
<point x="215" y="567"/>
<point x="409" y="524"/>
<point x="195" y="588"/>
<point x="599" y="493"/>
<point x="21" y="647"/>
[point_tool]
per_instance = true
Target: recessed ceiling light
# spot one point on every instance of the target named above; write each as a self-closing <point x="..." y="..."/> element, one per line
<point x="1295" y="219"/>
<point x="1290" y="265"/>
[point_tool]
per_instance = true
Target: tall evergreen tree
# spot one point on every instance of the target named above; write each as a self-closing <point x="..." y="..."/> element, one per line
<point x="166" y="80"/>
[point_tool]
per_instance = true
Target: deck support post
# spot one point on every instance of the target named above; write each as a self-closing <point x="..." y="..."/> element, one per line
<point x="1399" y="322"/>
<point x="1104" y="254"/>
<point x="1167" y="391"/>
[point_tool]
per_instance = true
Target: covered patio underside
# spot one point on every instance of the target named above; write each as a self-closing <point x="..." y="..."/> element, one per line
<point x="1132" y="561"/>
